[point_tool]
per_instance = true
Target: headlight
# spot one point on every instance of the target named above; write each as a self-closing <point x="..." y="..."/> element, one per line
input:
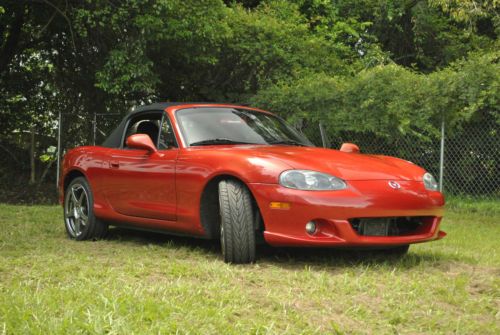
<point x="430" y="182"/>
<point x="311" y="180"/>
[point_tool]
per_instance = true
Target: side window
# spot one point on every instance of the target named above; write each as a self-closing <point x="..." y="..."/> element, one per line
<point x="167" y="136"/>
<point x="148" y="124"/>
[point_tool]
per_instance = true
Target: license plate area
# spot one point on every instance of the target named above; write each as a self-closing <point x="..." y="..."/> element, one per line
<point x="374" y="227"/>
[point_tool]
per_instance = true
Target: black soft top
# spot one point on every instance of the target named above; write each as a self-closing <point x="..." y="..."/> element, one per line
<point x="115" y="138"/>
<point x="164" y="105"/>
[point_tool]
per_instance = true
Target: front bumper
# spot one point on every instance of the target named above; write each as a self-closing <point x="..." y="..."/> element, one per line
<point x="333" y="210"/>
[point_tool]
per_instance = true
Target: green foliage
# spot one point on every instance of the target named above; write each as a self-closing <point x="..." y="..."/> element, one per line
<point x="49" y="154"/>
<point x="128" y="72"/>
<point x="135" y="51"/>
<point x="468" y="10"/>
<point x="389" y="100"/>
<point x="471" y="88"/>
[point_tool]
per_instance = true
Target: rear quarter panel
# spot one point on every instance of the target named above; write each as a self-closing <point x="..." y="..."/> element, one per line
<point x="88" y="160"/>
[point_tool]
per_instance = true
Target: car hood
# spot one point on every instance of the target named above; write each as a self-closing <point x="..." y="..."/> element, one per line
<point x="348" y="166"/>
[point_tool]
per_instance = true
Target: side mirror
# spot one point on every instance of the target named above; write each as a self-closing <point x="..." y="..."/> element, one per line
<point x="141" y="141"/>
<point x="349" y="147"/>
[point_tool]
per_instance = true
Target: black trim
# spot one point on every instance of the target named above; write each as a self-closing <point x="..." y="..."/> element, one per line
<point x="165" y="115"/>
<point x="144" y="113"/>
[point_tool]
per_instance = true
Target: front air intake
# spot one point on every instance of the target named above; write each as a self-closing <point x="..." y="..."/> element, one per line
<point x="392" y="226"/>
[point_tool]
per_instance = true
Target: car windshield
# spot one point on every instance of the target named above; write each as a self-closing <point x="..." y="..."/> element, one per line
<point x="217" y="126"/>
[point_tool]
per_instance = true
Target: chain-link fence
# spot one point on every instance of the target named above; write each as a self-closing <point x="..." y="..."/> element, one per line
<point x="468" y="165"/>
<point x="75" y="130"/>
<point x="30" y="158"/>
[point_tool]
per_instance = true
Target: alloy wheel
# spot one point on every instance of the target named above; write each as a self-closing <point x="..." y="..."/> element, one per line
<point x="76" y="210"/>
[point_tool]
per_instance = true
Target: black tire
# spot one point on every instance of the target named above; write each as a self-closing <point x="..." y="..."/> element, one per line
<point x="78" y="205"/>
<point x="397" y="251"/>
<point x="237" y="232"/>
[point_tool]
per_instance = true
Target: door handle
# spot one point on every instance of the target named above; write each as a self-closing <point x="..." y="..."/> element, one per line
<point x="114" y="164"/>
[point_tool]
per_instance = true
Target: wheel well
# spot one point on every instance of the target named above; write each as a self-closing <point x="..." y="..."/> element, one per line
<point x="70" y="176"/>
<point x="209" y="207"/>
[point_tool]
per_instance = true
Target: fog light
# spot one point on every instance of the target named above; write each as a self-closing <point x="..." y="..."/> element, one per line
<point x="311" y="227"/>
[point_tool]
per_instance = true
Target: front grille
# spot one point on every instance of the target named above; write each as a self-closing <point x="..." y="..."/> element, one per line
<point x="392" y="226"/>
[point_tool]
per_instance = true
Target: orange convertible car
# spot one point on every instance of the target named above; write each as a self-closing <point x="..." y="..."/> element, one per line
<point x="237" y="173"/>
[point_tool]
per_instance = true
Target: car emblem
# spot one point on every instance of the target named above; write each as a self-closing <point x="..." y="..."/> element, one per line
<point x="394" y="185"/>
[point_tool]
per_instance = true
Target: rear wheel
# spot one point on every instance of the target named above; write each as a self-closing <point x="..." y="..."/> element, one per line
<point x="80" y="221"/>
<point x="237" y="232"/>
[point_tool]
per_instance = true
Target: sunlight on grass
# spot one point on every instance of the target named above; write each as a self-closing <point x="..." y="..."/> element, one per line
<point x="136" y="283"/>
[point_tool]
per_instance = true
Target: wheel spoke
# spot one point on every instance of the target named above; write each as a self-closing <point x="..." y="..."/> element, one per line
<point x="73" y="196"/>
<point x="84" y="216"/>
<point x="82" y="197"/>
<point x="70" y="210"/>
<point x="76" y="224"/>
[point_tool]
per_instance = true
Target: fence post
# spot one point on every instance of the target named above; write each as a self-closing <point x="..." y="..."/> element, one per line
<point x="58" y="149"/>
<point x="324" y="138"/>
<point x="441" y="157"/>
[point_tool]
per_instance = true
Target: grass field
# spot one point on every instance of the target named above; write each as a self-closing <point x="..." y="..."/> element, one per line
<point x="136" y="283"/>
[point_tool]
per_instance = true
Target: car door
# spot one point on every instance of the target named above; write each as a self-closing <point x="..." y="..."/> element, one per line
<point x="140" y="183"/>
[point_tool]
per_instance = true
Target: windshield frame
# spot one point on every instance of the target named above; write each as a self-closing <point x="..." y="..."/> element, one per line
<point x="186" y="144"/>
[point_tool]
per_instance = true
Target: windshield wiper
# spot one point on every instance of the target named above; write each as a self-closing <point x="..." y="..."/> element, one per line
<point x="218" y="141"/>
<point x="290" y="142"/>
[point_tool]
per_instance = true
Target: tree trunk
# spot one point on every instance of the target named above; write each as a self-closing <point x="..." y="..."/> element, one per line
<point x="32" y="155"/>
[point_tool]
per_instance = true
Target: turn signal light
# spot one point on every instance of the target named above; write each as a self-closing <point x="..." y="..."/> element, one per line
<point x="279" y="205"/>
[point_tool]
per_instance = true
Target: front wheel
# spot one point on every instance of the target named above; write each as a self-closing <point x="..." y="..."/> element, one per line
<point x="80" y="221"/>
<point x="237" y="232"/>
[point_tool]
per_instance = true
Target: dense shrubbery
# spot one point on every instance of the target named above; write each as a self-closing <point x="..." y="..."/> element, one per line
<point x="390" y="100"/>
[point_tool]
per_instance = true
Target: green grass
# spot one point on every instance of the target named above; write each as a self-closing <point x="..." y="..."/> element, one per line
<point x="136" y="283"/>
